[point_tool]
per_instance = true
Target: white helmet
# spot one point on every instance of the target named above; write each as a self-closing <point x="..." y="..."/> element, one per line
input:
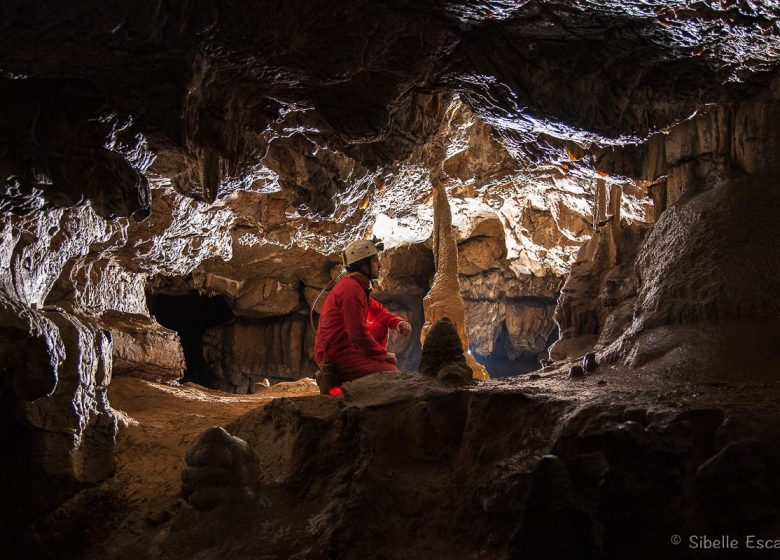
<point x="359" y="250"/>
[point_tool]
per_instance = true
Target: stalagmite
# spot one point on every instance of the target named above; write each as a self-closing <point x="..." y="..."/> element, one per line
<point x="444" y="299"/>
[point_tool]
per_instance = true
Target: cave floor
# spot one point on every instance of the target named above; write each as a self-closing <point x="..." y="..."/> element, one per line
<point x="120" y="517"/>
<point x="124" y="516"/>
<point x="646" y="387"/>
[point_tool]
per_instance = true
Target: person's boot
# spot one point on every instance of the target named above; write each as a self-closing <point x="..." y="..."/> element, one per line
<point x="326" y="378"/>
<point x="318" y="377"/>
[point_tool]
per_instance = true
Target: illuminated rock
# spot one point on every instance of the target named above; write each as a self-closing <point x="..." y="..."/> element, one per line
<point x="444" y="298"/>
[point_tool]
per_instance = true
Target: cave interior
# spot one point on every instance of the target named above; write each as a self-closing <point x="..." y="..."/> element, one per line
<point x="590" y="190"/>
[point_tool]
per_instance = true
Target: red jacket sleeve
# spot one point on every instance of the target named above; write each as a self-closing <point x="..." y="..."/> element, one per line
<point x="379" y="314"/>
<point x="354" y="311"/>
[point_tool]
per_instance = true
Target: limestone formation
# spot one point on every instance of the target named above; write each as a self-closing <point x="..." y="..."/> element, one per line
<point x="454" y="375"/>
<point x="56" y="371"/>
<point x="475" y="256"/>
<point x="442" y="49"/>
<point x="515" y="328"/>
<point x="553" y="480"/>
<point x="265" y="297"/>
<point x="444" y="298"/>
<point x="243" y="353"/>
<point x="221" y="469"/>
<point x="709" y="302"/>
<point x="442" y="354"/>
<point x="690" y="290"/>
<point x="142" y="348"/>
<point x="589" y="362"/>
<point x="71" y="284"/>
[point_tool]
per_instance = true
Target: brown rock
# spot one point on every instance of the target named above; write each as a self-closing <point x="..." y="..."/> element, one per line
<point x="477" y="255"/>
<point x="454" y="375"/>
<point x="442" y="354"/>
<point x="220" y="469"/>
<point x="142" y="348"/>
<point x="242" y="353"/>
<point x="266" y="297"/>
<point x="589" y="363"/>
<point x="444" y="298"/>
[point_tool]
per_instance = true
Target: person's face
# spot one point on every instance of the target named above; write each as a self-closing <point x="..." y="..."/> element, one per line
<point x="375" y="266"/>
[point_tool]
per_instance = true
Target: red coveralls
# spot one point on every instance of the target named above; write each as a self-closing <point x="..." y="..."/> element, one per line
<point x="353" y="329"/>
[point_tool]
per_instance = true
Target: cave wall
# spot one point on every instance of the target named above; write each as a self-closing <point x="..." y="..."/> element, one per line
<point x="697" y="288"/>
<point x="214" y="83"/>
<point x="55" y="412"/>
<point x="517" y="232"/>
<point x="243" y="353"/>
<point x="276" y="272"/>
<point x="73" y="313"/>
<point x="515" y="244"/>
<point x="509" y="315"/>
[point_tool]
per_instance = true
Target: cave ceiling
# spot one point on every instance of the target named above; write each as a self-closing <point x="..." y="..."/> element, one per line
<point x="322" y="113"/>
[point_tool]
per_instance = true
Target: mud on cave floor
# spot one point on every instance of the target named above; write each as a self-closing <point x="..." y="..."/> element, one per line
<point x="131" y="513"/>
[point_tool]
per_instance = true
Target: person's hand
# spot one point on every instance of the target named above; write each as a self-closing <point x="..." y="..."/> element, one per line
<point x="404" y="328"/>
<point x="392" y="358"/>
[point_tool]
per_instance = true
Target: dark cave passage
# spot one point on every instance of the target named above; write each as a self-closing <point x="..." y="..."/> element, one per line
<point x="191" y="315"/>
<point x="498" y="364"/>
<point x="509" y="358"/>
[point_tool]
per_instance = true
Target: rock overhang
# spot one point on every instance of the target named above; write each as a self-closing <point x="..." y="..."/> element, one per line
<point x="217" y="86"/>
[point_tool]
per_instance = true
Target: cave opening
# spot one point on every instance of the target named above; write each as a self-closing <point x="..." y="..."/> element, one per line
<point x="191" y="315"/>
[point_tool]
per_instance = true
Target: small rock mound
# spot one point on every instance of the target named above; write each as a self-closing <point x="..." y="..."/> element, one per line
<point x="220" y="468"/>
<point x="589" y="362"/>
<point x="442" y="355"/>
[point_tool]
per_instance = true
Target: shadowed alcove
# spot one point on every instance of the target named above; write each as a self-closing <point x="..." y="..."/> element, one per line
<point x="191" y="315"/>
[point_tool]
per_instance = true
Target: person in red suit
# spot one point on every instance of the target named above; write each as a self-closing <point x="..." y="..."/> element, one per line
<point x="352" y="336"/>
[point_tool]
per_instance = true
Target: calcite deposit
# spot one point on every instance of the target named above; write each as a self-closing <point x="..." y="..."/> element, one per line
<point x="221" y="470"/>
<point x="442" y="354"/>
<point x="691" y="290"/>
<point x="444" y="299"/>
<point x="178" y="179"/>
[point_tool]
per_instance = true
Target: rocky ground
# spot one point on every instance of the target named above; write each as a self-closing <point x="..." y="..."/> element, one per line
<point x="610" y="465"/>
<point x="120" y="517"/>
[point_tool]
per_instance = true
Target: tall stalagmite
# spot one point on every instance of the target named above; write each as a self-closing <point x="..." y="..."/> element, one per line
<point x="444" y="299"/>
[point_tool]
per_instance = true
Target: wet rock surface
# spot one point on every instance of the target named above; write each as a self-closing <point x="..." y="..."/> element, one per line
<point x="641" y="68"/>
<point x="686" y="290"/>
